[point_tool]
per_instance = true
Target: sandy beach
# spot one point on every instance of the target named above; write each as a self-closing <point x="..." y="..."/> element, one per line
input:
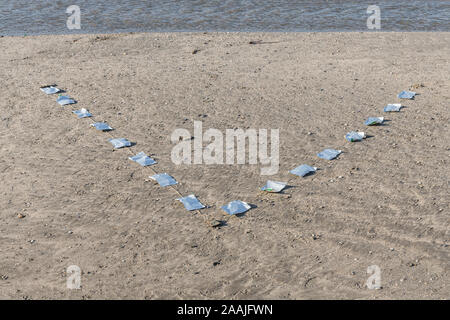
<point x="68" y="198"/>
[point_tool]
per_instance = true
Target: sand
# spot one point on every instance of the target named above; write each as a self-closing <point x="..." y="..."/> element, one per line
<point x="68" y="199"/>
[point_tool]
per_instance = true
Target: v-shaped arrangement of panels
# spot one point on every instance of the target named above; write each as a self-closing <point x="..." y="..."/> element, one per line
<point x="191" y="202"/>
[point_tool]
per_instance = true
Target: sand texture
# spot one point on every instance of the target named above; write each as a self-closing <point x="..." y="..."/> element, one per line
<point x="67" y="198"/>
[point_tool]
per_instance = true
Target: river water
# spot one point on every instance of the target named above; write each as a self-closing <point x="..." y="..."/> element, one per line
<point x="30" y="17"/>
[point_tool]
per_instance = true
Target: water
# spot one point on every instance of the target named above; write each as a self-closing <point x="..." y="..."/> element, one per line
<point x="20" y="17"/>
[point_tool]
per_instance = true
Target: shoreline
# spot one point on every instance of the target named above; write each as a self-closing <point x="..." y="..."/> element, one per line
<point x="221" y="32"/>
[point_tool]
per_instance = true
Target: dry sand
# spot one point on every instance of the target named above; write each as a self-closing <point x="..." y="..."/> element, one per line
<point x="383" y="202"/>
